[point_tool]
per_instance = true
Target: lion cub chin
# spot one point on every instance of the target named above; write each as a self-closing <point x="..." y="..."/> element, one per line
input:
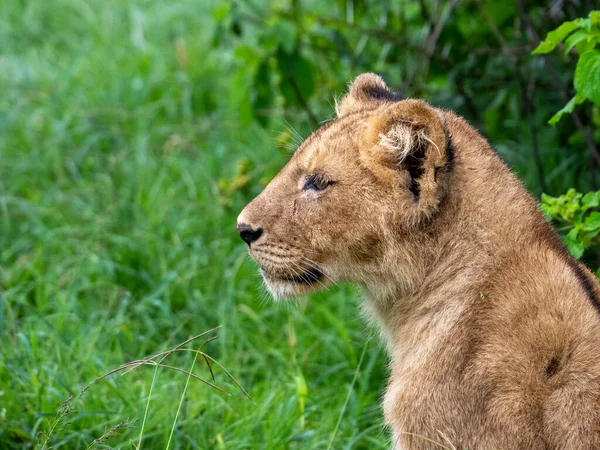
<point x="493" y="329"/>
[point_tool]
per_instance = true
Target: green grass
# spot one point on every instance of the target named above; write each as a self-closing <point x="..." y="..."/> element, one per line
<point x="117" y="121"/>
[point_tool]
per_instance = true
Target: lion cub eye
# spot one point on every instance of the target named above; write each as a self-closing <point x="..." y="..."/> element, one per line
<point x="316" y="183"/>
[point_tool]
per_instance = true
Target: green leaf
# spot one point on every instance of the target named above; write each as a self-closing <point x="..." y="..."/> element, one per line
<point x="592" y="222"/>
<point x="585" y="45"/>
<point x="555" y="37"/>
<point x="575" y="39"/>
<point x="246" y="53"/>
<point x="586" y="24"/>
<point x="572" y="195"/>
<point x="546" y="211"/>
<point x="548" y="199"/>
<point x="222" y="11"/>
<point x="287" y="32"/>
<point x="590" y="200"/>
<point x="567" y="109"/>
<point x="574" y="244"/>
<point x="587" y="75"/>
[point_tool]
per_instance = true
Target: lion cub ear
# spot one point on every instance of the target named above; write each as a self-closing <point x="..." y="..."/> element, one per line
<point x="409" y="136"/>
<point x="366" y="92"/>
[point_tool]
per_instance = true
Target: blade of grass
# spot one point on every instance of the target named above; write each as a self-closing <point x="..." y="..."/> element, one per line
<point x="337" y="425"/>
<point x="229" y="375"/>
<point x="187" y="381"/>
<point x="139" y="442"/>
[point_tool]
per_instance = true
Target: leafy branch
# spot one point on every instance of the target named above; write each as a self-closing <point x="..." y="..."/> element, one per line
<point x="584" y="36"/>
<point x="578" y="215"/>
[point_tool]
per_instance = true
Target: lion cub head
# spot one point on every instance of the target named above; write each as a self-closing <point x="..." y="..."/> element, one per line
<point x="345" y="206"/>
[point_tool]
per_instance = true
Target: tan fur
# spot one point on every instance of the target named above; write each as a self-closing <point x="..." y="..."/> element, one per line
<point x="492" y="332"/>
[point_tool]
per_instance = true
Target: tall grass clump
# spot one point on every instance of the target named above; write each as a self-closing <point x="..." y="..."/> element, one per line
<point x="123" y="164"/>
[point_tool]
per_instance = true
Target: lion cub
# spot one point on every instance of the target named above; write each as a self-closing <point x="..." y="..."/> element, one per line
<point x="493" y="329"/>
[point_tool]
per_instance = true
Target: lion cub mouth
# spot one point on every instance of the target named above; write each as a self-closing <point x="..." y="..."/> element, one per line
<point x="307" y="276"/>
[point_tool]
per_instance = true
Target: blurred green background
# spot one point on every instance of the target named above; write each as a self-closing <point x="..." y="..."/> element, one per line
<point x="132" y="132"/>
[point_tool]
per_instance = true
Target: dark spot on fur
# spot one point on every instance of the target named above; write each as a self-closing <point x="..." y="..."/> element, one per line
<point x="368" y="250"/>
<point x="414" y="164"/>
<point x="586" y="282"/>
<point x="548" y="234"/>
<point x="551" y="368"/>
<point x="450" y="150"/>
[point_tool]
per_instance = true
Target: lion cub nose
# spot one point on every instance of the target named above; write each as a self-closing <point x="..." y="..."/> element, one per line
<point x="249" y="234"/>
